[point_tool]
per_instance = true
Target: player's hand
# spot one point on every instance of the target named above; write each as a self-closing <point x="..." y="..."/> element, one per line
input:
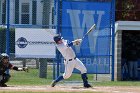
<point x="26" y="69"/>
<point x="77" y="41"/>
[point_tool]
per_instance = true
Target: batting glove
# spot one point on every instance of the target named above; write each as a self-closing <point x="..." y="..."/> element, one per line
<point x="77" y="41"/>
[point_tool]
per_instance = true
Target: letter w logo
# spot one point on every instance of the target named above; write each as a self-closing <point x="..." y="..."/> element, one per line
<point x="85" y="19"/>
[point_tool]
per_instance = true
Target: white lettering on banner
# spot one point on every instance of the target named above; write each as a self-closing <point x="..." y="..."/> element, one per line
<point x="88" y="20"/>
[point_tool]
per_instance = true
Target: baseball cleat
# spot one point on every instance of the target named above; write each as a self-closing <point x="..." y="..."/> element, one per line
<point x="53" y="84"/>
<point x="87" y="86"/>
<point x="3" y="85"/>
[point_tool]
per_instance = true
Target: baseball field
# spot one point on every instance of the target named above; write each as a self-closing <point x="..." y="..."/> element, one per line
<point x="22" y="82"/>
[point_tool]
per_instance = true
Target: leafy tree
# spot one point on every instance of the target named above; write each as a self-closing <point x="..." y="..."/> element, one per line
<point x="128" y="10"/>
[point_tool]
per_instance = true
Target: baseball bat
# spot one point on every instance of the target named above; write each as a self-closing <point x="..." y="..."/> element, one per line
<point x="91" y="29"/>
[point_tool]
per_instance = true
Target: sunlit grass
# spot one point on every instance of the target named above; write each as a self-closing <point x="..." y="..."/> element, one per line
<point x="32" y="78"/>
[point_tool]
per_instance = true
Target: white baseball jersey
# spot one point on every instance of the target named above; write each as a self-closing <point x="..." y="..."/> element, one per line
<point x="65" y="50"/>
<point x="68" y="53"/>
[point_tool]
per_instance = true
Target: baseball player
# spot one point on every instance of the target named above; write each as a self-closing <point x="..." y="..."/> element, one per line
<point x="70" y="60"/>
<point x="5" y="65"/>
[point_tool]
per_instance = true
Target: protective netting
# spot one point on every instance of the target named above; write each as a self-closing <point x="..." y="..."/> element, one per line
<point x="27" y="14"/>
<point x="49" y="14"/>
<point x="77" y="18"/>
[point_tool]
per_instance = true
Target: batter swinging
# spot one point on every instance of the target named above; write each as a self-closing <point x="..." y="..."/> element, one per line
<point x="70" y="60"/>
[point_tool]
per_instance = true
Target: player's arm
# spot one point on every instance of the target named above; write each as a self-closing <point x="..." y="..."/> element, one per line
<point x="75" y="42"/>
<point x="18" y="68"/>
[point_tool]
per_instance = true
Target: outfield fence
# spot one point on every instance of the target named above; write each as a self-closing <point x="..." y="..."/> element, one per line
<point x="97" y="51"/>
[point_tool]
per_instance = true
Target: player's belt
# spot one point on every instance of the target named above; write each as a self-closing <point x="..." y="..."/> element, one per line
<point x="70" y="59"/>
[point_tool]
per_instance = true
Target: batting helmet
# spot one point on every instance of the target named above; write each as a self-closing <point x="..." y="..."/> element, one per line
<point x="57" y="38"/>
<point x="4" y="56"/>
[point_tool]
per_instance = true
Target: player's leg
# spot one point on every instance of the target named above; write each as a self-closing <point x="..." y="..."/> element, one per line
<point x="3" y="79"/>
<point x="57" y="80"/>
<point x="80" y="66"/>
<point x="85" y="80"/>
<point x="69" y="66"/>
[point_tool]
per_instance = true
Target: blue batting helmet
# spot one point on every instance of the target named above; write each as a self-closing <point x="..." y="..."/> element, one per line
<point x="57" y="38"/>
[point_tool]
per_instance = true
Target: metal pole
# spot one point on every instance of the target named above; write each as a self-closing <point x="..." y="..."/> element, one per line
<point x="8" y="28"/>
<point x="113" y="38"/>
<point x="54" y="74"/>
<point x="58" y="28"/>
<point x="43" y="68"/>
<point x="54" y="60"/>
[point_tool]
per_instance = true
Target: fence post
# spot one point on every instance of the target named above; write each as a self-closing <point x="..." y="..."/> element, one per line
<point x="113" y="38"/>
<point x="24" y="62"/>
<point x="0" y="42"/>
<point x="8" y="30"/>
<point x="43" y="68"/>
<point x="37" y="63"/>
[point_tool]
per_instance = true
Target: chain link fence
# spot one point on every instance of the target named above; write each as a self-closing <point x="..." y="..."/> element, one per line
<point x="30" y="14"/>
<point x="27" y="14"/>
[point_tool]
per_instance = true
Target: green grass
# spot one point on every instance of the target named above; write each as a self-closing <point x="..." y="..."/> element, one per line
<point x="32" y="78"/>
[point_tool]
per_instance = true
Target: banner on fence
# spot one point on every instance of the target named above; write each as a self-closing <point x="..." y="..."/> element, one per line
<point x="34" y="43"/>
<point x="77" y="18"/>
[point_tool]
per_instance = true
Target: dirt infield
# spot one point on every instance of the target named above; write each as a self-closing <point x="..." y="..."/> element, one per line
<point x="63" y="88"/>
